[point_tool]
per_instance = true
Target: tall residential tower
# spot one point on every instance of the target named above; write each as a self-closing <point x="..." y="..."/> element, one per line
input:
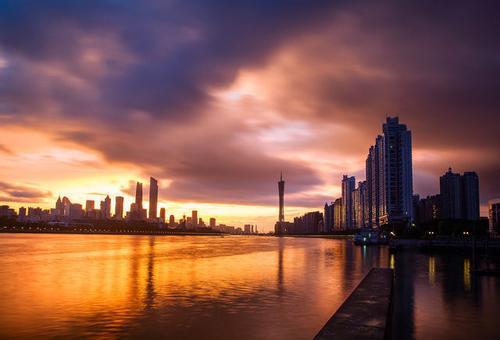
<point x="348" y="186"/>
<point x="153" y="198"/>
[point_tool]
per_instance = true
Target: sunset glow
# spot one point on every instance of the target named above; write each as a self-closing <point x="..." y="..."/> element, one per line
<point x="86" y="108"/>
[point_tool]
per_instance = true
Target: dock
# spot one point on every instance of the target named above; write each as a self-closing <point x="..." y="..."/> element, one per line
<point x="366" y="313"/>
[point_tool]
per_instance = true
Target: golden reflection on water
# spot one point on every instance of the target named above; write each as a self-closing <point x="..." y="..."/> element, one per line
<point x="85" y="285"/>
<point x="467" y="274"/>
<point x="391" y="261"/>
<point x="432" y="270"/>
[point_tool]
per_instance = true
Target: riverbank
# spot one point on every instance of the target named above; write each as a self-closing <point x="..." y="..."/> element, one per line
<point x="445" y="244"/>
<point x="366" y="313"/>
<point x="334" y="237"/>
<point x="104" y="231"/>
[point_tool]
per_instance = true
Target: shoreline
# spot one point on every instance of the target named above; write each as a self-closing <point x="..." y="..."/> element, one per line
<point x="110" y="232"/>
<point x="333" y="237"/>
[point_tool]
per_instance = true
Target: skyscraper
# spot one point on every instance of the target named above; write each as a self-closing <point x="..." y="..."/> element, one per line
<point x="356" y="207"/>
<point x="470" y="194"/>
<point x="370" y="188"/>
<point x="348" y="185"/>
<point x="89" y="206"/>
<point x="494" y="216"/>
<point x="398" y="171"/>
<point x="119" y="207"/>
<point x="136" y="210"/>
<point x="106" y="208"/>
<point x="459" y="195"/>
<point x="376" y="184"/>
<point x="153" y="198"/>
<point x="359" y="204"/>
<point x="194" y="218"/>
<point x="75" y="211"/>
<point x="337" y="214"/>
<point x="451" y="195"/>
<point x="281" y="191"/>
<point x="163" y="214"/>
<point x="66" y="203"/>
<point x="328" y="220"/>
<point x="138" y="197"/>
<point x="389" y="177"/>
<point x="22" y="214"/>
<point x="59" y="206"/>
<point x="171" y="220"/>
<point x="212" y="222"/>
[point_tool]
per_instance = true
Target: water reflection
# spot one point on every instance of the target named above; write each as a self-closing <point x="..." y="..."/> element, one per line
<point x="432" y="270"/>
<point x="231" y="287"/>
<point x="467" y="274"/>
<point x="404" y="296"/>
<point x="150" y="287"/>
<point x="280" y="266"/>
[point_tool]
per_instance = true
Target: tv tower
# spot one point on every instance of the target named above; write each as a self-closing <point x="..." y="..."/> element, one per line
<point x="281" y="190"/>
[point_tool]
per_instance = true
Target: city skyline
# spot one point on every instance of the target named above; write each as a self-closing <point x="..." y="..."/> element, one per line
<point x="249" y="169"/>
<point x="350" y="217"/>
<point x="88" y="106"/>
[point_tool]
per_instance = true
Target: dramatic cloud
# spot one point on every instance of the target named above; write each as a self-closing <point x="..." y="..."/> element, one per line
<point x="215" y="99"/>
<point x="20" y="193"/>
<point x="6" y="150"/>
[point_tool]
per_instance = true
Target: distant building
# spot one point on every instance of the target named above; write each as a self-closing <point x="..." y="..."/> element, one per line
<point x="153" y="198"/>
<point x="194" y="218"/>
<point x="328" y="217"/>
<point x="247" y="229"/>
<point x="376" y="184"/>
<point x="89" y="206"/>
<point x="429" y="209"/>
<point x="212" y="222"/>
<point x="359" y="204"/>
<point x="136" y="210"/>
<point x="337" y="214"/>
<point x="470" y="195"/>
<point x="348" y="186"/>
<point x="66" y="205"/>
<point x="106" y="208"/>
<point x="309" y="223"/>
<point x="138" y="196"/>
<point x="76" y="211"/>
<point x="35" y="214"/>
<point x="356" y="207"/>
<point x="59" y="207"/>
<point x="459" y="196"/>
<point x="163" y="213"/>
<point x="119" y="207"/>
<point x="6" y="211"/>
<point x="451" y="195"/>
<point x="494" y="216"/>
<point x="171" y="220"/>
<point x="22" y="214"/>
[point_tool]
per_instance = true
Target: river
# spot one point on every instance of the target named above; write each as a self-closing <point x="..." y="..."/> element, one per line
<point x="235" y="287"/>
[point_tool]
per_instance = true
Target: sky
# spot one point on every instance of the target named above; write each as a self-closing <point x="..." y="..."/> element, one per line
<point x="215" y="98"/>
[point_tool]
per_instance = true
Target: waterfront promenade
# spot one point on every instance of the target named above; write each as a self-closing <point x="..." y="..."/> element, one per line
<point x="365" y="314"/>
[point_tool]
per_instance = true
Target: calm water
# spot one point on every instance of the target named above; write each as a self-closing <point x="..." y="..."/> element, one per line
<point x="231" y="287"/>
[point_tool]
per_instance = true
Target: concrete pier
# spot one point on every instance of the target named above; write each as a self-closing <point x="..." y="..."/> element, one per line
<point x="365" y="314"/>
